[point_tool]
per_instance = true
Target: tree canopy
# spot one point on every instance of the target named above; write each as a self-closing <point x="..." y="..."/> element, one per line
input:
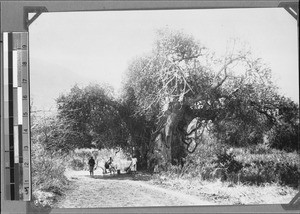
<point x="181" y="81"/>
<point x="91" y="113"/>
<point x="172" y="96"/>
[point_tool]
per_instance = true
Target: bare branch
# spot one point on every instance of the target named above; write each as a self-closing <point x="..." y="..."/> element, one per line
<point x="198" y="98"/>
<point x="197" y="143"/>
<point x="189" y="58"/>
<point x="194" y="129"/>
<point x="224" y="68"/>
<point x="184" y="79"/>
<point x="222" y="81"/>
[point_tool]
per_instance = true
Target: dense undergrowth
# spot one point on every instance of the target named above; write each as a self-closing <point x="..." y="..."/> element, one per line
<point x="48" y="169"/>
<point x="212" y="163"/>
<point x="255" y="165"/>
<point x="48" y="179"/>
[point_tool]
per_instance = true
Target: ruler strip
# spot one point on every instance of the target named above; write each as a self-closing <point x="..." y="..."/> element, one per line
<point x="24" y="117"/>
<point x="16" y="117"/>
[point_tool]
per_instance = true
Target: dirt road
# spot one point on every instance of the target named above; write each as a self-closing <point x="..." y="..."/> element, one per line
<point x="120" y="191"/>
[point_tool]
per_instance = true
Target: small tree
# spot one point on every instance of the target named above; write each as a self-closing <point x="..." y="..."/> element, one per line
<point x="90" y="115"/>
<point x="285" y="134"/>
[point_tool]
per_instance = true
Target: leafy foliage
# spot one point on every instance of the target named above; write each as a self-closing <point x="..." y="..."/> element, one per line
<point x="181" y="80"/>
<point x="181" y="105"/>
<point x="285" y="134"/>
<point x="171" y="98"/>
<point x="50" y="132"/>
<point x="139" y="126"/>
<point x="91" y="118"/>
<point x="256" y="165"/>
<point x="227" y="161"/>
<point x="48" y="168"/>
<point x="77" y="164"/>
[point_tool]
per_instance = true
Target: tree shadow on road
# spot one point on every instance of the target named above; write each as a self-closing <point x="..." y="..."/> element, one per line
<point x="139" y="176"/>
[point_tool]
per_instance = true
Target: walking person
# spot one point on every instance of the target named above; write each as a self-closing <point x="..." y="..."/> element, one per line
<point x="92" y="165"/>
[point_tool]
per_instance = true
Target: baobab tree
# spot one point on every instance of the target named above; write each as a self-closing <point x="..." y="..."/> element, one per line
<point x="182" y="81"/>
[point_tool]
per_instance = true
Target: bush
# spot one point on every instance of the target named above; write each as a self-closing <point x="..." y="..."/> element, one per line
<point x="258" y="172"/>
<point x="77" y="164"/>
<point x="226" y="161"/>
<point x="277" y="166"/>
<point x="199" y="163"/>
<point x="255" y="165"/>
<point x="48" y="165"/>
<point x="285" y="137"/>
<point x="245" y="166"/>
<point x="288" y="174"/>
<point x="260" y="148"/>
<point x="267" y="172"/>
<point x="47" y="171"/>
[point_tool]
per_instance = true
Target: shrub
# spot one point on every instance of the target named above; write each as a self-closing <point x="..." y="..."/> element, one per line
<point x="255" y="165"/>
<point x="76" y="164"/>
<point x="258" y="172"/>
<point x="48" y="165"/>
<point x="268" y="171"/>
<point x="225" y="161"/>
<point x="288" y="174"/>
<point x="47" y="171"/>
<point x="261" y="148"/>
<point x="256" y="169"/>
<point x="285" y="135"/>
<point x="200" y="162"/>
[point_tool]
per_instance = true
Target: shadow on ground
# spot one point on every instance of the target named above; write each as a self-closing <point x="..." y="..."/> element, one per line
<point x="139" y="176"/>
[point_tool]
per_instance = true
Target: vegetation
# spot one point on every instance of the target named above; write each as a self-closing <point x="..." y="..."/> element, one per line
<point x="225" y="192"/>
<point x="181" y="110"/>
<point x="48" y="166"/>
<point x="91" y="117"/>
<point x="78" y="159"/>
<point x="175" y="94"/>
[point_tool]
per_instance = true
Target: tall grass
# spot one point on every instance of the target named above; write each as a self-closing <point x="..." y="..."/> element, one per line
<point x="47" y="172"/>
<point x="255" y="165"/>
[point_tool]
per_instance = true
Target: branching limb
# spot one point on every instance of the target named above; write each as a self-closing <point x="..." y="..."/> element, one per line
<point x="197" y="141"/>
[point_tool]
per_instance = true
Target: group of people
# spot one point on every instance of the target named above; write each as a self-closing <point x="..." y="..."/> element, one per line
<point x="108" y="165"/>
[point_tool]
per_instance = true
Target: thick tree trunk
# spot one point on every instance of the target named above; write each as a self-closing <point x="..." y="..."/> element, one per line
<point x="167" y="147"/>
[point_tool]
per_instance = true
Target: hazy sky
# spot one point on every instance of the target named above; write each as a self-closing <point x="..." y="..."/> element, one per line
<point x="69" y="48"/>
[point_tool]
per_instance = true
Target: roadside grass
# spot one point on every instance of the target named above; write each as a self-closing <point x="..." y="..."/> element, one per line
<point x="256" y="165"/>
<point x="228" y="175"/>
<point x="218" y="173"/>
<point x="226" y="193"/>
<point x="48" y="171"/>
<point x="48" y="179"/>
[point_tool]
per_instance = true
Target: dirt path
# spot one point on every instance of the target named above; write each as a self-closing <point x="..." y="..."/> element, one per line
<point x="120" y="191"/>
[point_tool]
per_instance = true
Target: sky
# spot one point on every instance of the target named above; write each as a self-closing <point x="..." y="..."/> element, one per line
<point x="94" y="47"/>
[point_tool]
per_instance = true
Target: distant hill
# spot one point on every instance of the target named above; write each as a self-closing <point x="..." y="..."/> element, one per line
<point x="50" y="80"/>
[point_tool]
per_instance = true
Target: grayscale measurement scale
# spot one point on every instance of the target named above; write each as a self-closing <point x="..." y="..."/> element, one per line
<point x="16" y="117"/>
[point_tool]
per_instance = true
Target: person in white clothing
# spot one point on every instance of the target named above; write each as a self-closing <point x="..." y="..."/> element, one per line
<point x="134" y="162"/>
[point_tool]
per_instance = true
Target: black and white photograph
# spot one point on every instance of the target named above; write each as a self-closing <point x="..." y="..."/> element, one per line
<point x="164" y="108"/>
